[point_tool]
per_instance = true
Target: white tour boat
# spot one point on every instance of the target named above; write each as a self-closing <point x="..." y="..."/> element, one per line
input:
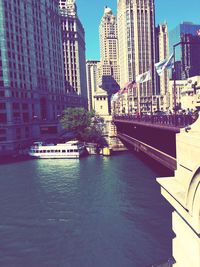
<point x="70" y="149"/>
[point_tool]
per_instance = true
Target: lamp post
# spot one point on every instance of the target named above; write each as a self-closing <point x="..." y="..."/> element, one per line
<point x="174" y="74"/>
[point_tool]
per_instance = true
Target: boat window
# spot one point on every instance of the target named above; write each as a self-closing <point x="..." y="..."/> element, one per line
<point x="71" y="150"/>
<point x="48" y="151"/>
<point x="75" y="150"/>
<point x="63" y="151"/>
<point x="56" y="150"/>
<point x="67" y="150"/>
<point x="59" y="151"/>
<point x="36" y="151"/>
<point x="44" y="151"/>
<point x="52" y="151"/>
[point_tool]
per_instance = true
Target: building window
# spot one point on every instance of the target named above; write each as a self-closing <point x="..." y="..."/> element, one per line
<point x="2" y="106"/>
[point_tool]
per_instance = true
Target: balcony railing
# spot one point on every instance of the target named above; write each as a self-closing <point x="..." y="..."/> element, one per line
<point x="179" y="121"/>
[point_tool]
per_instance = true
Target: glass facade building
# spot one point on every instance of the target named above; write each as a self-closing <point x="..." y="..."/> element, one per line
<point x="187" y="56"/>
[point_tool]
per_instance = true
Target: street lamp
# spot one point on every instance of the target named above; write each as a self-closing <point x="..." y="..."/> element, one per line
<point x="174" y="73"/>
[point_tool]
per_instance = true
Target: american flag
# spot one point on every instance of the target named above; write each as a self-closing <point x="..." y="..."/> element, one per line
<point x="198" y="32"/>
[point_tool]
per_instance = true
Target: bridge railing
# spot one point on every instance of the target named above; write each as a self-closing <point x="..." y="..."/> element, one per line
<point x="176" y="120"/>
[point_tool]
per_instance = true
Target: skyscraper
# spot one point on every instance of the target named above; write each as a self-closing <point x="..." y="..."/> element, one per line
<point x="136" y="36"/>
<point x="187" y="56"/>
<point x="32" y="92"/>
<point x="162" y="98"/>
<point x="109" y="65"/>
<point x="73" y="37"/>
<point x="109" y="51"/>
<point x="162" y="53"/>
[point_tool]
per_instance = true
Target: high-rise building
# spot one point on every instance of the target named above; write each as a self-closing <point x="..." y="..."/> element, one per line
<point x="162" y="52"/>
<point x="32" y="92"/>
<point x="136" y="36"/>
<point x="187" y="56"/>
<point x="109" y="46"/>
<point x="73" y="37"/>
<point x="109" y="75"/>
<point x="190" y="56"/>
<point x="92" y="81"/>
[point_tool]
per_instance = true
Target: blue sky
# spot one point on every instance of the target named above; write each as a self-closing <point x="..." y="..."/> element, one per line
<point x="173" y="11"/>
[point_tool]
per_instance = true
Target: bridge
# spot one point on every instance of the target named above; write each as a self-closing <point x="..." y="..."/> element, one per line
<point x="154" y="135"/>
<point x="174" y="141"/>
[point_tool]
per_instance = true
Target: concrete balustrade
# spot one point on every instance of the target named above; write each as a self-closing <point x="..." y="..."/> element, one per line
<point x="183" y="193"/>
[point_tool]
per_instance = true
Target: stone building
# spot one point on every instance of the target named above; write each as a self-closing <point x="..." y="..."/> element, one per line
<point x="108" y="67"/>
<point x="73" y="38"/>
<point x="136" y="36"/>
<point x="32" y="94"/>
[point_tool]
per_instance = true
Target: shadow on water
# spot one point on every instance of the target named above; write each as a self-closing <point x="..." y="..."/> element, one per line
<point x="155" y="166"/>
<point x="14" y="159"/>
<point x="147" y="196"/>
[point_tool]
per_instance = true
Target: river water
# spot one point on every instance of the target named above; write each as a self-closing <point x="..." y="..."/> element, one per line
<point x="93" y="212"/>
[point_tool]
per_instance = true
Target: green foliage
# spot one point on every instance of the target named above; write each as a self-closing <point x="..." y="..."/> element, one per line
<point x="85" y="124"/>
<point x="93" y="135"/>
<point x="76" y="119"/>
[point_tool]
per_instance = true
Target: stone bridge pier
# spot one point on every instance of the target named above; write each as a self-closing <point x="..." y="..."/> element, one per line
<point x="183" y="192"/>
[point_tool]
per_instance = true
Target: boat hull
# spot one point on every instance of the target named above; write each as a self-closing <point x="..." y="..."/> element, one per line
<point x="56" y="156"/>
<point x="60" y="151"/>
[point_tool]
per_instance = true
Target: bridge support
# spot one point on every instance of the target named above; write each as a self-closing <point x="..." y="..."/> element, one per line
<point x="183" y="192"/>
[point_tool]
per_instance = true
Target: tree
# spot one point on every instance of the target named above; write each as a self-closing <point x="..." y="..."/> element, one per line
<point x="85" y="124"/>
<point x="76" y="119"/>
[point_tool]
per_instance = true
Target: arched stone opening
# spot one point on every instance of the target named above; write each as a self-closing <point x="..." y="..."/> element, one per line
<point x="193" y="199"/>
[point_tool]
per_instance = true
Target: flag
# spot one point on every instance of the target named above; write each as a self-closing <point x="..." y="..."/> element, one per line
<point x="120" y="91"/>
<point x="170" y="62"/>
<point x="127" y="84"/>
<point x="114" y="97"/>
<point x="159" y="66"/>
<point x="133" y="84"/>
<point x="164" y="64"/>
<point x="125" y="90"/>
<point x="144" y="77"/>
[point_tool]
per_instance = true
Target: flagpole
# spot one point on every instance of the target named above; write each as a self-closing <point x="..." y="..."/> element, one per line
<point x="174" y="73"/>
<point x="138" y="99"/>
<point x="152" y="84"/>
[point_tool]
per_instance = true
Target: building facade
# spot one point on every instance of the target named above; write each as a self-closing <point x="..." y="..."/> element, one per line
<point x="175" y="93"/>
<point x="190" y="56"/>
<point x="108" y="68"/>
<point x="73" y="38"/>
<point x="92" y="81"/>
<point x="109" y="48"/>
<point x="162" y="52"/>
<point x="136" y="35"/>
<point x="187" y="56"/>
<point x="32" y="94"/>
